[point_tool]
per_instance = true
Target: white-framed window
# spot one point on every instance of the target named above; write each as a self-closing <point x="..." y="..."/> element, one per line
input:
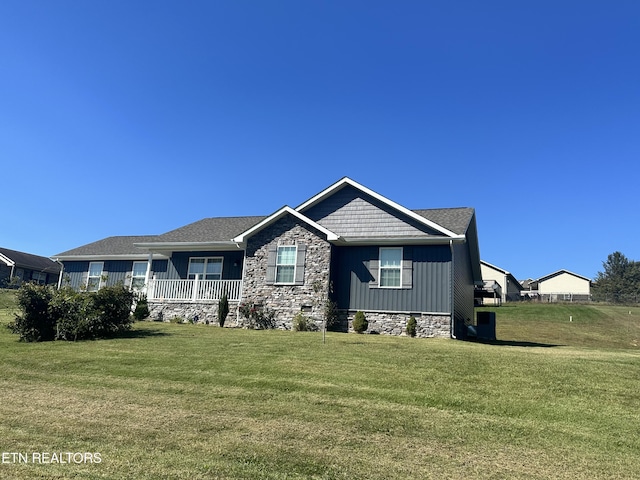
<point x="208" y="268"/>
<point x="39" y="277"/>
<point x="390" y="267"/>
<point x="286" y="263"/>
<point x="95" y="276"/>
<point x="138" y="276"/>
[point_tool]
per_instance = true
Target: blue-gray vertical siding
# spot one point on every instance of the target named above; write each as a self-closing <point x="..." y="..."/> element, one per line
<point x="115" y="271"/>
<point x="231" y="264"/>
<point x="430" y="290"/>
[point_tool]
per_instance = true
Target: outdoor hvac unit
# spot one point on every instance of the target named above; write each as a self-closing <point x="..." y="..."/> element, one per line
<point x="486" y="325"/>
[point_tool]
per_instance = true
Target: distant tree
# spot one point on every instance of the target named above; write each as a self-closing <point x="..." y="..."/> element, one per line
<point x="620" y="280"/>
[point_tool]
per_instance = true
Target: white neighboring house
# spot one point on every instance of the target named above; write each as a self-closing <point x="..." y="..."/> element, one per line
<point x="564" y="285"/>
<point x="503" y="284"/>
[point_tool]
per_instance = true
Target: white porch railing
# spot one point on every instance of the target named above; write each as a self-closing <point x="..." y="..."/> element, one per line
<point x="193" y="290"/>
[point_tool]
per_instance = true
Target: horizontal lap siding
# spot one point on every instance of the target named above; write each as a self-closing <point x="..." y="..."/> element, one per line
<point x="429" y="292"/>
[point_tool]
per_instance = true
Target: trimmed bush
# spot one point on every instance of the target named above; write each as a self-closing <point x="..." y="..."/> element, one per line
<point x="360" y="323"/>
<point x="412" y="326"/>
<point x="223" y="310"/>
<point x="142" y="308"/>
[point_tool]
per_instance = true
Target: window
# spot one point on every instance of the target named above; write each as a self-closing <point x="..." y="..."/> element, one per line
<point x="95" y="276"/>
<point x="286" y="264"/>
<point x="39" y="277"/>
<point x="138" y="276"/>
<point x="390" y="267"/>
<point x="208" y="268"/>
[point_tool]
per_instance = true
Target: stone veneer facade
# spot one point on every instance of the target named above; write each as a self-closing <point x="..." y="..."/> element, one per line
<point x="392" y="323"/>
<point x="287" y="300"/>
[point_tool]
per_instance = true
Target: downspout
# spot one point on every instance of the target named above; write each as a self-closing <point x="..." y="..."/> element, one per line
<point x="451" y="294"/>
<point x="60" y="276"/>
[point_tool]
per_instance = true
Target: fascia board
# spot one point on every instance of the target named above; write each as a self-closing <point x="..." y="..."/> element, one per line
<point x="401" y="240"/>
<point x="560" y="272"/>
<point x="6" y="260"/>
<point x="498" y="269"/>
<point x="240" y="239"/>
<point x="347" y="181"/>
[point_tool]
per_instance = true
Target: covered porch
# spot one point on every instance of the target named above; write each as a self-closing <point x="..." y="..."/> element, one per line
<point x="196" y="290"/>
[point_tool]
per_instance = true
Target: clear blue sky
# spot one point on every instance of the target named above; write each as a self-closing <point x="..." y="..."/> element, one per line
<point x="138" y="117"/>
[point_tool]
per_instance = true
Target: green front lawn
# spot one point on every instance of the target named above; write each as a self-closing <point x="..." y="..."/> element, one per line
<point x="183" y="401"/>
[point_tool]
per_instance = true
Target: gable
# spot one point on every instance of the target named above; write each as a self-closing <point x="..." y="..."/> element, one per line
<point x="349" y="212"/>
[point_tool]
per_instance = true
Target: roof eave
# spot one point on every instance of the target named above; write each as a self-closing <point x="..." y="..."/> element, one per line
<point x="95" y="257"/>
<point x="241" y="239"/>
<point x="401" y="240"/>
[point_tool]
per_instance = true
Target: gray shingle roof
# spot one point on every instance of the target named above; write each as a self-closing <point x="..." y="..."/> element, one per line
<point x="223" y="229"/>
<point x="121" y="245"/>
<point x="30" y="261"/>
<point x="455" y="219"/>
<point x="216" y="229"/>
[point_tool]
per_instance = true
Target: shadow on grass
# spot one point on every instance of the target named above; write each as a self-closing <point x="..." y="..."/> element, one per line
<point x="142" y="333"/>
<point x="515" y="343"/>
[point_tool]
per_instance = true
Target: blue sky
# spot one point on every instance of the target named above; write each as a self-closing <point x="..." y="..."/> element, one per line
<point x="138" y="117"/>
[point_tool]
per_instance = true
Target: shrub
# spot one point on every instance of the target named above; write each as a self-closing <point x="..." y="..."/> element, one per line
<point x="68" y="315"/>
<point x="35" y="323"/>
<point x="73" y="315"/>
<point x="177" y="319"/>
<point x="112" y="305"/>
<point x="302" y="323"/>
<point x="259" y="318"/>
<point x="223" y="309"/>
<point x="412" y="326"/>
<point x="360" y="323"/>
<point x="142" y="308"/>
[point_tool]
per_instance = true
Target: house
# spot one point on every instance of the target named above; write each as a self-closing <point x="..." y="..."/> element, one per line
<point x="563" y="285"/>
<point x="348" y="245"/>
<point x="499" y="285"/>
<point x="26" y="267"/>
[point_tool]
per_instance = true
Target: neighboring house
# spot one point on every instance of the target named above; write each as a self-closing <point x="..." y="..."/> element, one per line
<point x="499" y="285"/>
<point x="563" y="285"/>
<point x="347" y="244"/>
<point x="21" y="267"/>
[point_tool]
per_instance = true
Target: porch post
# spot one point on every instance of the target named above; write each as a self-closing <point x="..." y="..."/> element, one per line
<point x="147" y="275"/>
<point x="194" y="294"/>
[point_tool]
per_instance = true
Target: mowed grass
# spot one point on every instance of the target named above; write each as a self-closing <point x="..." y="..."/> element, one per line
<point x="573" y="324"/>
<point x="195" y="402"/>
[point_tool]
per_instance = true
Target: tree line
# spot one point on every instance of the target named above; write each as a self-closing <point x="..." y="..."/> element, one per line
<point x="619" y="282"/>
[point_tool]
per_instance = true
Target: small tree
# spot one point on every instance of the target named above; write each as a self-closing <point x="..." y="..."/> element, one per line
<point x="142" y="308"/>
<point x="360" y="323"/>
<point x="223" y="309"/>
<point x="412" y="326"/>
